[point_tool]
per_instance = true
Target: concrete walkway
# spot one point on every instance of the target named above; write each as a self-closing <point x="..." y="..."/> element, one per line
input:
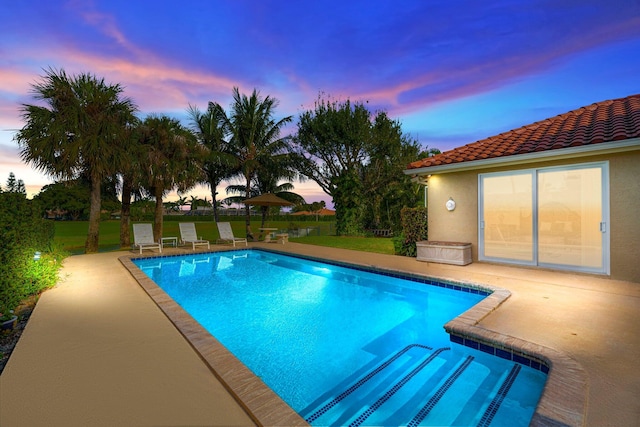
<point x="98" y="351"/>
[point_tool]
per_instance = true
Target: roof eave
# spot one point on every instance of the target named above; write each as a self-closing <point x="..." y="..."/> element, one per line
<point x="518" y="159"/>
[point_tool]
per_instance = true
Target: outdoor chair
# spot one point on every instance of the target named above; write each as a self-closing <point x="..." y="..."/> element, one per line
<point x="188" y="235"/>
<point x="143" y="237"/>
<point x="226" y="234"/>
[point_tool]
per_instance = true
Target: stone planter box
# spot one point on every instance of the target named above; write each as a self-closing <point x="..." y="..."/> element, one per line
<point x="444" y="252"/>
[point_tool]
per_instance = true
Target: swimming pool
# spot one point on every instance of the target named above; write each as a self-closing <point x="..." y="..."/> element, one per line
<point x="348" y="347"/>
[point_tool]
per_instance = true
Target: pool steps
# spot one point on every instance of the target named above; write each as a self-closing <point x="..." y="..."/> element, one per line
<point x="415" y="384"/>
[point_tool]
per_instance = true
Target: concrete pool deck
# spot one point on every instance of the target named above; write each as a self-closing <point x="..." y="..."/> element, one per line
<point x="99" y="351"/>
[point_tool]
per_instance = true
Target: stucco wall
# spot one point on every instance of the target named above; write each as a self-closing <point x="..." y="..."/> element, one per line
<point x="461" y="225"/>
<point x="624" y="179"/>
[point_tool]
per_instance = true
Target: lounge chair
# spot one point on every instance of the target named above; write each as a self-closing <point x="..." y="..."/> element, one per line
<point x="143" y="237"/>
<point x="188" y="235"/>
<point x="226" y="234"/>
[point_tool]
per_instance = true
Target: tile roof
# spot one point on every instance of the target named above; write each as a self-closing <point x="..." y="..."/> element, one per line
<point x="605" y="121"/>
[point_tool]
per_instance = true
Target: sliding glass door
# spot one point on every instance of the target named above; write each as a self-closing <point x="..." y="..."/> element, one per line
<point x="507" y="221"/>
<point x="556" y="217"/>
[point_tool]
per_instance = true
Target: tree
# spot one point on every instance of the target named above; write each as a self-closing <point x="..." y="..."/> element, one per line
<point x="72" y="199"/>
<point x="388" y="188"/>
<point x="81" y="129"/>
<point x="11" y="183"/>
<point x="197" y="202"/>
<point x="172" y="160"/>
<point x="15" y="185"/>
<point x="20" y="188"/>
<point x="358" y="161"/>
<point x="333" y="142"/>
<point x="314" y="207"/>
<point x="68" y="198"/>
<point x="269" y="177"/>
<point x="255" y="138"/>
<point x="130" y="177"/>
<point x="212" y="133"/>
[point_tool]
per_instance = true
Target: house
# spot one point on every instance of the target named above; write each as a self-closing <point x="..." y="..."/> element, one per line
<point x="561" y="193"/>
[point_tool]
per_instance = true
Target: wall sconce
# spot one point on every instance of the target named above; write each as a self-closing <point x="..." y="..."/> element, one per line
<point x="451" y="204"/>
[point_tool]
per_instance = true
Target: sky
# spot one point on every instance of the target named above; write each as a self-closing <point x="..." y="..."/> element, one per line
<point x="451" y="71"/>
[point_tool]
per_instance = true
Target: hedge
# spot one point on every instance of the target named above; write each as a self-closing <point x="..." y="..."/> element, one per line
<point x="414" y="229"/>
<point x="23" y="233"/>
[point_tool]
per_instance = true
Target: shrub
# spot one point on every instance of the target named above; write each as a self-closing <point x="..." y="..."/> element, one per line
<point x="414" y="229"/>
<point x="23" y="233"/>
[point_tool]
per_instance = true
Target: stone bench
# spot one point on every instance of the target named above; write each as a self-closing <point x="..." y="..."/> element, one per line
<point x="444" y="252"/>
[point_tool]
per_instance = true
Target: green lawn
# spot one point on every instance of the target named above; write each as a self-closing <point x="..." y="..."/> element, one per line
<point x="71" y="235"/>
<point x="366" y="244"/>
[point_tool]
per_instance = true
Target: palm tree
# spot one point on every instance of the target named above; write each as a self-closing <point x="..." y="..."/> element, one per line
<point x="81" y="129"/>
<point x="130" y="177"/>
<point x="182" y="201"/>
<point x="255" y="137"/>
<point x="172" y="160"/>
<point x="197" y="202"/>
<point x="210" y="129"/>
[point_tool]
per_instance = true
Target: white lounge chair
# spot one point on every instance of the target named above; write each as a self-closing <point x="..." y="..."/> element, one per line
<point x="226" y="234"/>
<point x="143" y="237"/>
<point x="188" y="235"/>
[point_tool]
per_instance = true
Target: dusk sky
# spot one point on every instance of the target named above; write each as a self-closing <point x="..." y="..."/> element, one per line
<point x="452" y="72"/>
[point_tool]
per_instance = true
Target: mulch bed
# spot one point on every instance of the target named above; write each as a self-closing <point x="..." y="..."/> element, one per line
<point x="9" y="339"/>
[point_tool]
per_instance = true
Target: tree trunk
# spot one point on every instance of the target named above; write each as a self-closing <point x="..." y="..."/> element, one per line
<point x="265" y="212"/>
<point x="125" y="212"/>
<point x="214" y="202"/>
<point x="246" y="209"/>
<point x="157" y="223"/>
<point x="91" y="245"/>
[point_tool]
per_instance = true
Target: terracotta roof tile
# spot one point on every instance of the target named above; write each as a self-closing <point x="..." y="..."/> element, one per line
<point x="602" y="122"/>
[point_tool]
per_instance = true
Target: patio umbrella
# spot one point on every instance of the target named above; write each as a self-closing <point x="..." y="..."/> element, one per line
<point x="267" y="199"/>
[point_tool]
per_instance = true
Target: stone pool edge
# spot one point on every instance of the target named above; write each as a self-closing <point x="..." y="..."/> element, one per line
<point x="564" y="398"/>
<point x="261" y="403"/>
<point x="563" y="401"/>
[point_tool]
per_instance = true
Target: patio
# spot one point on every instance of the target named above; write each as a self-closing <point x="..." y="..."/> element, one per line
<point x="98" y="351"/>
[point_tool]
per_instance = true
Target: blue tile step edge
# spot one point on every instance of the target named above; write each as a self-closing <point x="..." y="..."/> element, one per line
<point x="565" y="394"/>
<point x="523" y="359"/>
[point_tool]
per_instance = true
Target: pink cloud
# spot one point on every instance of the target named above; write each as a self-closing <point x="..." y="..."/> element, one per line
<point x="13" y="80"/>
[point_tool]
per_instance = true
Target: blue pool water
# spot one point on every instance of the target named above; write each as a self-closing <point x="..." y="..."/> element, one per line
<point x="348" y="347"/>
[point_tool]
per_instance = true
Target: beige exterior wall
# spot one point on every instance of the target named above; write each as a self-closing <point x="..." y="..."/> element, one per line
<point x="461" y="225"/>
<point x="624" y="188"/>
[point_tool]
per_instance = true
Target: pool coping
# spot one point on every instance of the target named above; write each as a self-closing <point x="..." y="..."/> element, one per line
<point x="563" y="401"/>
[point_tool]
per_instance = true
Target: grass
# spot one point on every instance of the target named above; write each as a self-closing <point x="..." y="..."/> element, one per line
<point x="365" y="244"/>
<point x="71" y="235"/>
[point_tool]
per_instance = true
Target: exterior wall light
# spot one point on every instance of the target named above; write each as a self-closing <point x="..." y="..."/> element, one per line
<point x="451" y="204"/>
